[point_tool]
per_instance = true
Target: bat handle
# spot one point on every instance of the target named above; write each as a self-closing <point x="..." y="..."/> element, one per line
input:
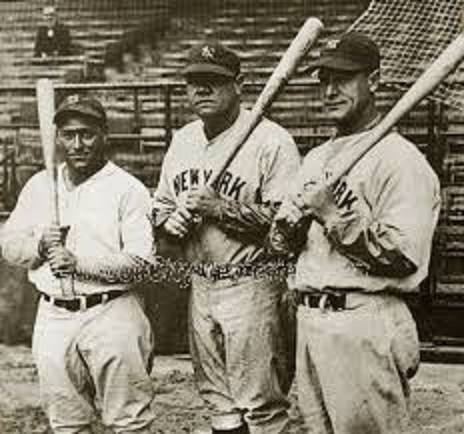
<point x="66" y="282"/>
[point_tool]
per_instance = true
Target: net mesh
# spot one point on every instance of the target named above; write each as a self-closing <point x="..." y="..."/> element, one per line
<point x="411" y="34"/>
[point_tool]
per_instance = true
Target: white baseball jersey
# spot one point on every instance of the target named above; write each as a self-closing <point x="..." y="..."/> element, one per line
<point x="256" y="176"/>
<point x="107" y="214"/>
<point x="387" y="208"/>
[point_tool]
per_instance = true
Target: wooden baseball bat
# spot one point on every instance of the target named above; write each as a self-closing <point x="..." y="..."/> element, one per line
<point x="46" y="110"/>
<point x="300" y="45"/>
<point x="447" y="62"/>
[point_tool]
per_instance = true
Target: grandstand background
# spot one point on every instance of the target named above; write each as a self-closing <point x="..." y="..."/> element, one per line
<point x="130" y="54"/>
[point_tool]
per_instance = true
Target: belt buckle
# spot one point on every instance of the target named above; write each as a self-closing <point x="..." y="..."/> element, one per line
<point x="332" y="300"/>
<point x="82" y="303"/>
<point x="305" y="299"/>
<point x="324" y="303"/>
<point x="207" y="271"/>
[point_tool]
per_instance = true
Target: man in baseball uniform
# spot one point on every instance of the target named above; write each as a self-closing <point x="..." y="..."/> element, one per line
<point x="368" y="239"/>
<point x="236" y="337"/>
<point x="92" y="342"/>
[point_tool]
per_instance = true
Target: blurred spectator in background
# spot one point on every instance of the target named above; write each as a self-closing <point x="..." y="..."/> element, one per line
<point x="112" y="63"/>
<point x="130" y="57"/>
<point x="53" y="38"/>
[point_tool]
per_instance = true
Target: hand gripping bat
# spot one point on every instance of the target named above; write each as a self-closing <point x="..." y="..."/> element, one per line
<point x="447" y="62"/>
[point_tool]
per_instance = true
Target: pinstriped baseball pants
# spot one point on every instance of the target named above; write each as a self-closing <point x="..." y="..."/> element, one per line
<point x="353" y="365"/>
<point x="238" y="352"/>
<point x="95" y="360"/>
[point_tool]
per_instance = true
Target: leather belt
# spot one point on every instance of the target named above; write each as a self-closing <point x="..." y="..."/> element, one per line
<point x="322" y="300"/>
<point x="82" y="302"/>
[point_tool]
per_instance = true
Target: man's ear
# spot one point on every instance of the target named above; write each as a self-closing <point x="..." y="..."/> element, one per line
<point x="239" y="80"/>
<point x="373" y="80"/>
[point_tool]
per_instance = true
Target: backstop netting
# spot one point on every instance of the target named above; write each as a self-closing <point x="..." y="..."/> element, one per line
<point x="411" y="34"/>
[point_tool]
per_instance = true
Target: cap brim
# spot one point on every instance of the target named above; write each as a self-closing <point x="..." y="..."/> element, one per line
<point x="61" y="114"/>
<point x="333" y="63"/>
<point x="208" y="68"/>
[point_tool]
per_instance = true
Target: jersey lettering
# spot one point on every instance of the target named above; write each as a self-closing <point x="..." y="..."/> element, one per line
<point x="224" y="182"/>
<point x="195" y="177"/>
<point x="236" y="188"/>
<point x="207" y="174"/>
<point x="343" y="196"/>
<point x="229" y="185"/>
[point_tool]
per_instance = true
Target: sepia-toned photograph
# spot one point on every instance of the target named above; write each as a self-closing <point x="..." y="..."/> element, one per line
<point x="231" y="217"/>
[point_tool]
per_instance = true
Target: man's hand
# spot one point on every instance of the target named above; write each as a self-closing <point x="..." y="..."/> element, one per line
<point x="204" y="202"/>
<point x="290" y="212"/>
<point x="62" y="261"/>
<point x="52" y="236"/>
<point x="314" y="200"/>
<point x="179" y="222"/>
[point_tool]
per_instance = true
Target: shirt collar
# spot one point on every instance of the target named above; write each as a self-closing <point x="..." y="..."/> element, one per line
<point x="107" y="170"/>
<point x="371" y="124"/>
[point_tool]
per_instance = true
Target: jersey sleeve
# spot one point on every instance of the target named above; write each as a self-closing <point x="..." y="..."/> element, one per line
<point x="278" y="162"/>
<point x="136" y="231"/>
<point x="136" y="242"/>
<point x="20" y="236"/>
<point x="164" y="198"/>
<point x="279" y="165"/>
<point x="388" y="235"/>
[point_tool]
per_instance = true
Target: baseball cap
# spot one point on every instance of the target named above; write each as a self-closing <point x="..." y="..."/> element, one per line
<point x="354" y="51"/>
<point x="83" y="105"/>
<point x="212" y="58"/>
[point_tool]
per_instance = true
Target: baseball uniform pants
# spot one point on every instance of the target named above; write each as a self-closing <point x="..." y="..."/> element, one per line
<point x="95" y="360"/>
<point x="353" y="365"/>
<point x="238" y="352"/>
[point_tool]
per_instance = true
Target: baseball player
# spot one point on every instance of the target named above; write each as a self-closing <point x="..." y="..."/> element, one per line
<point x="368" y="240"/>
<point x="236" y="338"/>
<point x="92" y="342"/>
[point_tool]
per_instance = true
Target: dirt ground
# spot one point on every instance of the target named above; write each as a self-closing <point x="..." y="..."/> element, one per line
<point x="437" y="400"/>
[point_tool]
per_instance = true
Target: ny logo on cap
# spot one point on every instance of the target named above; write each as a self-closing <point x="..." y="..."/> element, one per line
<point x="207" y="52"/>
<point x="332" y="44"/>
<point x="72" y="99"/>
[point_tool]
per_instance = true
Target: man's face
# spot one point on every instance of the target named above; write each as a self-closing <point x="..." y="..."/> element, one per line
<point x="50" y="18"/>
<point x="212" y="95"/>
<point x="345" y="94"/>
<point x="82" y="142"/>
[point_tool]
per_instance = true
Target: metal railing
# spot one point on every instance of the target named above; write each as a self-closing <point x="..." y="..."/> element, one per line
<point x="172" y="104"/>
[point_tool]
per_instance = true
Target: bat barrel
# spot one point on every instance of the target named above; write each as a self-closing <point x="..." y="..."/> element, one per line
<point x="282" y="73"/>
<point x="46" y="110"/>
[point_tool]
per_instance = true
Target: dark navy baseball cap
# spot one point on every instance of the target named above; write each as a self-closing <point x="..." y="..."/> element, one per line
<point x="354" y="51"/>
<point x="80" y="104"/>
<point x="212" y="58"/>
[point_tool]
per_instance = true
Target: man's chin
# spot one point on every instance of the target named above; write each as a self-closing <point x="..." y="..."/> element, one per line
<point x="79" y="166"/>
<point x="336" y="113"/>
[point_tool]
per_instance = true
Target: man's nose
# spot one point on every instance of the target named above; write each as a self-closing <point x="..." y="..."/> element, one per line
<point x="77" y="141"/>
<point x="204" y="88"/>
<point x="330" y="88"/>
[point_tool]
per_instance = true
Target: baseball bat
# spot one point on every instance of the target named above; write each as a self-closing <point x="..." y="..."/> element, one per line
<point x="46" y="109"/>
<point x="281" y="75"/>
<point x="430" y="79"/>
